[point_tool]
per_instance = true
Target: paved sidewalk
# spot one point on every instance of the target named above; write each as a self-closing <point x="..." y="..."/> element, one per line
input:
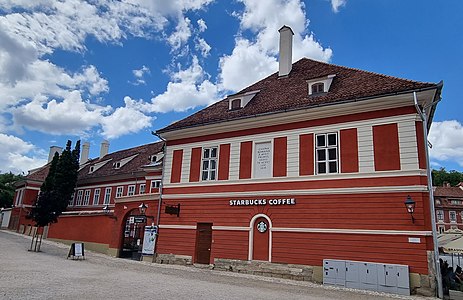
<point x="49" y="275"/>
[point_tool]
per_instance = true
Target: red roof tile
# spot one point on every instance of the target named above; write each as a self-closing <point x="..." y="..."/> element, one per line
<point x="442" y="191"/>
<point x="291" y="93"/>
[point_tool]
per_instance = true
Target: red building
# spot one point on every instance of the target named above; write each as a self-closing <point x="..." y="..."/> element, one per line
<point x="449" y="207"/>
<point x="109" y="191"/>
<point x="313" y="162"/>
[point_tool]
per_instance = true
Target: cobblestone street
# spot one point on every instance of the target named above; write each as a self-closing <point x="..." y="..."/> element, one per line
<point x="49" y="275"/>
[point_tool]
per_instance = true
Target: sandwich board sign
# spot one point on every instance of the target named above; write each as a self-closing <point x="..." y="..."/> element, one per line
<point x="76" y="251"/>
<point x="149" y="240"/>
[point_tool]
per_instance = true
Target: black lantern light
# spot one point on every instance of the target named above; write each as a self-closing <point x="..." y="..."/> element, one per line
<point x="410" y="205"/>
<point x="142" y="208"/>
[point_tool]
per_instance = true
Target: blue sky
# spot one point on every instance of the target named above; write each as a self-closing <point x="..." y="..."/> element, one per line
<point x="115" y="70"/>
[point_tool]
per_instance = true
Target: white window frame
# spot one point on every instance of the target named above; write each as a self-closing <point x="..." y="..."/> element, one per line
<point x="209" y="173"/>
<point x="142" y="189"/>
<point x="440" y="215"/>
<point x="327" y="150"/>
<point x="155" y="184"/>
<point x="107" y="195"/>
<point x="80" y="193"/>
<point x="131" y="190"/>
<point x="96" y="197"/>
<point x="119" y="191"/>
<point x="454" y="213"/>
<point x="19" y="197"/>
<point x="87" y="197"/>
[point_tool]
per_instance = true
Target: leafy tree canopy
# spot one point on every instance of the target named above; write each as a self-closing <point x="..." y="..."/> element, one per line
<point x="7" y="188"/>
<point x="440" y="176"/>
<point x="57" y="189"/>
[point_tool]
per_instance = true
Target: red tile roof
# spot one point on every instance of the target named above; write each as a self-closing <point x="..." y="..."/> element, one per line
<point x="291" y="92"/>
<point x="443" y="191"/>
<point x="143" y="153"/>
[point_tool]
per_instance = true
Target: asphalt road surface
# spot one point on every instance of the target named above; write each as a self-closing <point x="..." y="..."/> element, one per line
<point x="49" y="275"/>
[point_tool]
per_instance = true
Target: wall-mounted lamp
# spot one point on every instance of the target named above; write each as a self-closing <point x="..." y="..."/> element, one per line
<point x="410" y="205"/>
<point x="142" y="208"/>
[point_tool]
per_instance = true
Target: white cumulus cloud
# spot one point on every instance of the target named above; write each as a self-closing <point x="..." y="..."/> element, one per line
<point x="19" y="156"/>
<point x="447" y="140"/>
<point x="336" y="4"/>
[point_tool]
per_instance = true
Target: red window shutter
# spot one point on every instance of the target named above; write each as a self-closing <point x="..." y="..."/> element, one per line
<point x="420" y="144"/>
<point x="224" y="162"/>
<point x="306" y="154"/>
<point x="386" y="147"/>
<point x="245" y="160"/>
<point x="280" y="156"/>
<point x="195" y="164"/>
<point x="349" y="151"/>
<point x="176" y="166"/>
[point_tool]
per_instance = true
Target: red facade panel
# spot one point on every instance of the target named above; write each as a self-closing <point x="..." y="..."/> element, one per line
<point x="386" y="147"/>
<point x="245" y="160"/>
<point x="176" y="166"/>
<point x="420" y="144"/>
<point x="306" y="154"/>
<point x="280" y="156"/>
<point x="195" y="164"/>
<point x="224" y="161"/>
<point x="349" y="151"/>
<point x="82" y="228"/>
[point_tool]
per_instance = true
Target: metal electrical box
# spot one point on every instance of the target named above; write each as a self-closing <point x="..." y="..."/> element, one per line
<point x="389" y="278"/>
<point x="334" y="272"/>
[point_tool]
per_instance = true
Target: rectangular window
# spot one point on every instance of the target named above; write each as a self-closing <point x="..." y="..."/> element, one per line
<point x="155" y="184"/>
<point x="452" y="216"/>
<point x="455" y="202"/>
<point x="440" y="215"/>
<point x="107" y="195"/>
<point x="79" y="197"/>
<point x="71" y="201"/>
<point x="326" y="152"/>
<point x="131" y="190"/>
<point x="209" y="163"/>
<point x="87" y="197"/>
<point x="119" y="191"/>
<point x="19" y="197"/>
<point x="96" y="197"/>
<point x="142" y="188"/>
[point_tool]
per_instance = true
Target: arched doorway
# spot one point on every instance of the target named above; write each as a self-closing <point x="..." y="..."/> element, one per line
<point x="260" y="238"/>
<point x="132" y="235"/>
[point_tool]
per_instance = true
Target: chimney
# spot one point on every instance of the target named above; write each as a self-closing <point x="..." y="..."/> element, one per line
<point x="104" y="148"/>
<point x="85" y="152"/>
<point x="286" y="50"/>
<point x="53" y="150"/>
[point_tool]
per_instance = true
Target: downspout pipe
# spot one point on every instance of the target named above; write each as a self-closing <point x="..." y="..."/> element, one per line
<point x="161" y="186"/>
<point x="424" y="118"/>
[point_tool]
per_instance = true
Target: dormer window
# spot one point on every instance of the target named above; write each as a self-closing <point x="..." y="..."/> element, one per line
<point x="320" y="85"/>
<point x="117" y="165"/>
<point x="238" y="101"/>
<point x="154" y="158"/>
<point x="236" y="104"/>
<point x="318" y="88"/>
<point x="92" y="169"/>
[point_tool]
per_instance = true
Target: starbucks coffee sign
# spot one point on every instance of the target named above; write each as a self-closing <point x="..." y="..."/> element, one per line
<point x="260" y="202"/>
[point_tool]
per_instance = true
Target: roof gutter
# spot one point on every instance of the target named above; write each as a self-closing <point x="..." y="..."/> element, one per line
<point x="437" y="86"/>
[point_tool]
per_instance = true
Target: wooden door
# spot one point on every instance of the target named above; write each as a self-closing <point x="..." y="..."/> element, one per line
<point x="260" y="249"/>
<point x="203" y="243"/>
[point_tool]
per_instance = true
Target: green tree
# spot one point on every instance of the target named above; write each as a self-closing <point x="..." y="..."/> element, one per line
<point x="7" y="188"/>
<point x="57" y="189"/>
<point x="440" y="176"/>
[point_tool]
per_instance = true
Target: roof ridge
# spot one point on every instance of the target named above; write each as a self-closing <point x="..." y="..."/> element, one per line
<point x="366" y="71"/>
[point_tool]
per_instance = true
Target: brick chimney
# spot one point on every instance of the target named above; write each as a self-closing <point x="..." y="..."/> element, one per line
<point x="53" y="150"/>
<point x="286" y="51"/>
<point x="104" y="149"/>
<point x="85" y="152"/>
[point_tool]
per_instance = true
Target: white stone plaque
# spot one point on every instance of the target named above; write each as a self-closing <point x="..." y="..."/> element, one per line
<point x="263" y="160"/>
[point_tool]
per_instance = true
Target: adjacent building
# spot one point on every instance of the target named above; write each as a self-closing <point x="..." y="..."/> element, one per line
<point x="449" y="207"/>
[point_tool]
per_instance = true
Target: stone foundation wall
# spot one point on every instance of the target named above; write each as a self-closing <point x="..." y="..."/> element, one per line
<point x="173" y="259"/>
